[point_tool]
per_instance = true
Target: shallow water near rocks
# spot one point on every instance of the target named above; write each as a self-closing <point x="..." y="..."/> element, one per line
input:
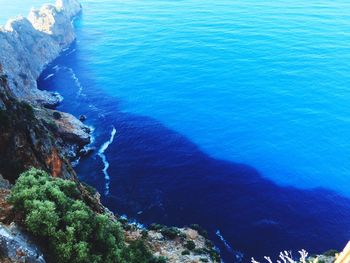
<point x="231" y="114"/>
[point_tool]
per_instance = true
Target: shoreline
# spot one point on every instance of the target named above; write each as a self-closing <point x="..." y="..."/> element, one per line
<point x="40" y="38"/>
<point x="49" y="139"/>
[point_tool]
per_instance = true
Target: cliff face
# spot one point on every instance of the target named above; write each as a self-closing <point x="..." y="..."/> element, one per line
<point x="29" y="44"/>
<point x="32" y="134"/>
<point x="26" y="141"/>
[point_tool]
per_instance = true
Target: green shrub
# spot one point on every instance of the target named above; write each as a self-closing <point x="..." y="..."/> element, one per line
<point x="26" y="109"/>
<point x="73" y="233"/>
<point x="156" y="227"/>
<point x="215" y="256"/>
<point x="56" y="115"/>
<point x="89" y="188"/>
<point x="170" y="232"/>
<point x="160" y="259"/>
<point x="123" y="220"/>
<point x="209" y="244"/>
<point x="144" y="234"/>
<point x="190" y="245"/>
<point x="185" y="252"/>
<point x="330" y="253"/>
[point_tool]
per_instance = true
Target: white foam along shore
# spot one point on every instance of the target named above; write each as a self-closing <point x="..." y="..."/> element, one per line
<point x="29" y="44"/>
<point x="102" y="155"/>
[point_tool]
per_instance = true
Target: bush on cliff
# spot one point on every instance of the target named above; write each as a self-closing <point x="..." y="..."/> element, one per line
<point x="52" y="211"/>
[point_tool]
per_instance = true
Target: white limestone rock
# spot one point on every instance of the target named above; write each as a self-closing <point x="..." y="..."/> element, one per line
<point x="29" y="44"/>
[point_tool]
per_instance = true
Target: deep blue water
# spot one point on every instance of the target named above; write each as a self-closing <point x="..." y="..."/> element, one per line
<point x="230" y="114"/>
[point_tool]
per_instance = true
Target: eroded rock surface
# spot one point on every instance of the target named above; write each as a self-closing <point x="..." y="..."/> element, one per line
<point x="16" y="246"/>
<point x="29" y="44"/>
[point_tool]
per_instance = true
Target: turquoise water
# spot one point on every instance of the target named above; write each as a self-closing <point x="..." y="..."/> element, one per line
<point x="259" y="82"/>
<point x="264" y="83"/>
<point x="180" y="92"/>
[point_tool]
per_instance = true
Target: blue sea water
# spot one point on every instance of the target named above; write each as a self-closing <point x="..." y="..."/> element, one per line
<point x="230" y="114"/>
<point x="259" y="82"/>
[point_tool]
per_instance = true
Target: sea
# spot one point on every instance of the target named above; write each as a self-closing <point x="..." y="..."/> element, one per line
<point x="230" y="114"/>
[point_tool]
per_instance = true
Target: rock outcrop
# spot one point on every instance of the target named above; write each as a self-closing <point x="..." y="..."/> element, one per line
<point x="29" y="44"/>
<point x="16" y="246"/>
<point x="26" y="139"/>
<point x="32" y="134"/>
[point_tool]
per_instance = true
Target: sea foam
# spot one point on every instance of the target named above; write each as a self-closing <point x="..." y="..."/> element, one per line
<point x="102" y="155"/>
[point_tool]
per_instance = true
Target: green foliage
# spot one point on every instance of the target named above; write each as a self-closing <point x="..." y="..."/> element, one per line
<point x="330" y="253"/>
<point x="209" y="244"/>
<point x="123" y="220"/>
<point x="56" y="115"/>
<point x="170" y="232"/>
<point x="185" y="252"/>
<point x="26" y="109"/>
<point x="190" y="245"/>
<point x="159" y="260"/>
<point x="215" y="256"/>
<point x="53" y="212"/>
<point x="156" y="227"/>
<point x="144" y="234"/>
<point x="89" y="188"/>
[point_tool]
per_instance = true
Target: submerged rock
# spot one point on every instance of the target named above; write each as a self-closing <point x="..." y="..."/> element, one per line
<point x="82" y="118"/>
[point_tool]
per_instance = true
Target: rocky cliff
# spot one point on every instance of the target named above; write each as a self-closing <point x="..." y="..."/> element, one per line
<point x="33" y="134"/>
<point x="29" y="44"/>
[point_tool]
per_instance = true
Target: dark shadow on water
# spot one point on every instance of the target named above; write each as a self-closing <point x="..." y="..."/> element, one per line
<point x="158" y="175"/>
<point x="165" y="176"/>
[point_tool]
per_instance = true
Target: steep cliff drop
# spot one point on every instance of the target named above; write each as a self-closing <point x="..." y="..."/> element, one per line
<point x="29" y="44"/>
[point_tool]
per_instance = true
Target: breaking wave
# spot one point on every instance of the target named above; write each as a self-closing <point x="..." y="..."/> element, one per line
<point x="101" y="152"/>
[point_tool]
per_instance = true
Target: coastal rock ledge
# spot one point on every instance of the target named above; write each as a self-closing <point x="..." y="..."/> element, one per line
<point x="29" y="44"/>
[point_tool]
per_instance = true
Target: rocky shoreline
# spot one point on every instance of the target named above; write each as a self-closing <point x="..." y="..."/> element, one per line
<point x="28" y="46"/>
<point x="34" y="134"/>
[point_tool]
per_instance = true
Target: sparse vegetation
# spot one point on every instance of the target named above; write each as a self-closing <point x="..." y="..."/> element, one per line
<point x="200" y="230"/>
<point x="89" y="188"/>
<point x="190" y="245"/>
<point x="170" y="232"/>
<point x="330" y="253"/>
<point x="156" y="227"/>
<point x="56" y="115"/>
